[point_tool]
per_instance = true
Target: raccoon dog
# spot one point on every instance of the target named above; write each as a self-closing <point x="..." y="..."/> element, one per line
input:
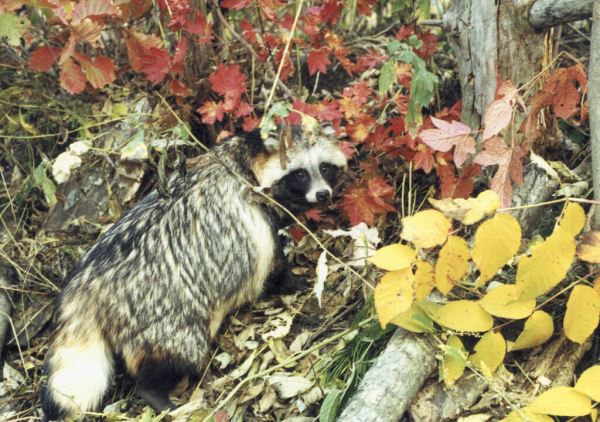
<point x="156" y="286"/>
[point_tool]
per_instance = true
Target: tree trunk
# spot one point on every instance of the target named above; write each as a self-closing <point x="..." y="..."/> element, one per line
<point x="594" y="93"/>
<point x="491" y="40"/>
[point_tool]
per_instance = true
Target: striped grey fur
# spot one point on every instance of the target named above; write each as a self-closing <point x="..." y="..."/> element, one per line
<point x="156" y="286"/>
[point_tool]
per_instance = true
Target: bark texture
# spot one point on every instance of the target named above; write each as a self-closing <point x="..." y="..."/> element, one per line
<point x="547" y="13"/>
<point x="436" y="402"/>
<point x="388" y="388"/>
<point x="594" y="93"/>
<point x="491" y="40"/>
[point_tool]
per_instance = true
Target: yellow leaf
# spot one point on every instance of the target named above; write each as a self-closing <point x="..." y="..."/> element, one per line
<point x="424" y="281"/>
<point x="415" y="320"/>
<point x="503" y="301"/>
<point x="394" y="257"/>
<point x="597" y="285"/>
<point x="547" y="265"/>
<point x="561" y="401"/>
<point x="454" y="360"/>
<point x="496" y="242"/>
<point x="537" y="330"/>
<point x="426" y="229"/>
<point x="589" y="248"/>
<point x="489" y="352"/>
<point x="573" y="218"/>
<point x="589" y="383"/>
<point x="525" y="416"/>
<point x="460" y="315"/>
<point x="394" y="295"/>
<point x="452" y="264"/>
<point x="468" y="211"/>
<point x="583" y="314"/>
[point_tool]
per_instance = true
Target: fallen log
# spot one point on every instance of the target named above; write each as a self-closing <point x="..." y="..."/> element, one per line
<point x="388" y="388"/>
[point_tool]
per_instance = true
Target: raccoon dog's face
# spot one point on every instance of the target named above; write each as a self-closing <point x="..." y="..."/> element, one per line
<point x="301" y="171"/>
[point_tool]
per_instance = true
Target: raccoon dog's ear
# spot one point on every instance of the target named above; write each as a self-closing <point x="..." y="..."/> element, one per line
<point x="256" y="143"/>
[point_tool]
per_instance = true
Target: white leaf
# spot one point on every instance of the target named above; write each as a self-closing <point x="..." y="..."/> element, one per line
<point x="63" y="165"/>
<point x="544" y="165"/>
<point x="365" y="243"/>
<point x="80" y="147"/>
<point x="288" y="387"/>
<point x="322" y="271"/>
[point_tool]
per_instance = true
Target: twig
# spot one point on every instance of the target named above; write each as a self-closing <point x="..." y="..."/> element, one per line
<point x="248" y="46"/>
<point x="283" y="57"/>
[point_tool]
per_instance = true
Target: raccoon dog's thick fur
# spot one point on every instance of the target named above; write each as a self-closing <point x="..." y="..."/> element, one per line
<point x="155" y="288"/>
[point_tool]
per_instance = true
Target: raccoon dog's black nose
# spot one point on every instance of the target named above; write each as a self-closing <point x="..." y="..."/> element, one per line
<point x="323" y="195"/>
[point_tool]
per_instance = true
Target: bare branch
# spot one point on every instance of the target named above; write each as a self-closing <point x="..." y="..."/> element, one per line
<point x="547" y="13"/>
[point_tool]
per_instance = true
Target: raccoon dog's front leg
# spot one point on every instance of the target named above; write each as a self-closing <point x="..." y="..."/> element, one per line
<point x="281" y="280"/>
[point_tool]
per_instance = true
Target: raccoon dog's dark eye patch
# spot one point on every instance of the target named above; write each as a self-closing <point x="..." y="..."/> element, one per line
<point x="300" y="175"/>
<point x="329" y="172"/>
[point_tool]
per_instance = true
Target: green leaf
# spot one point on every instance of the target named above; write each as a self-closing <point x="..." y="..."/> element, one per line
<point x="423" y="9"/>
<point x="330" y="405"/>
<point x="422" y="88"/>
<point x="393" y="46"/>
<point x="42" y="181"/>
<point x="12" y="28"/>
<point x="280" y="109"/>
<point x="387" y="76"/>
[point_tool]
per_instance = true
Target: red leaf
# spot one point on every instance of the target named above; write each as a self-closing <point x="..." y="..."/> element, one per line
<point x="93" y="8"/>
<point x="243" y="109"/>
<point x="88" y="30"/>
<point x="366" y="203"/>
<point x="347" y="148"/>
<point x="318" y="60"/>
<point x="199" y="26"/>
<point x="248" y="31"/>
<point x="235" y="4"/>
<point x="404" y="32"/>
<point x="372" y="59"/>
<point x="155" y="63"/>
<point x="250" y="123"/>
<point x="179" y="89"/>
<point x="365" y="6"/>
<point x="72" y="78"/>
<point x="298" y="109"/>
<point x="211" y="112"/>
<point x="429" y="46"/>
<point x="68" y="49"/>
<point x="360" y="92"/>
<point x="350" y="107"/>
<point x="99" y="71"/>
<point x="314" y="214"/>
<point x="423" y="158"/>
<point x="499" y="113"/>
<point x="453" y="187"/>
<point x="138" y="45"/>
<point x="42" y="59"/>
<point x="448" y="135"/>
<point x="360" y="128"/>
<point x="297" y="233"/>
<point x="561" y="92"/>
<point x="510" y="166"/>
<point x="327" y="111"/>
<point x="228" y="81"/>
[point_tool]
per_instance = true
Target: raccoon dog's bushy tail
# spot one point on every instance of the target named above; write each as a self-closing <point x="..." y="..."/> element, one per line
<point x="79" y="368"/>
